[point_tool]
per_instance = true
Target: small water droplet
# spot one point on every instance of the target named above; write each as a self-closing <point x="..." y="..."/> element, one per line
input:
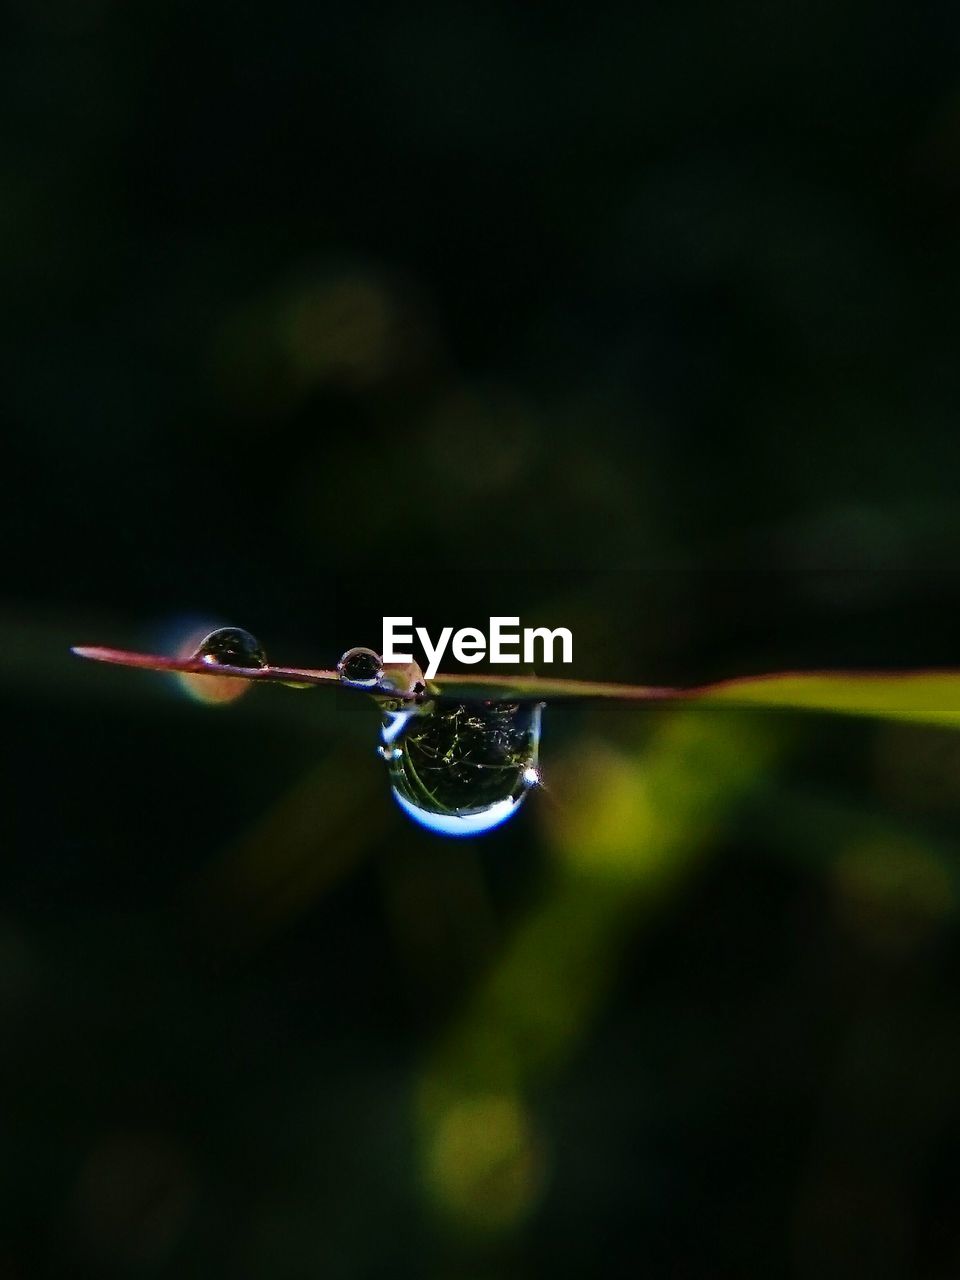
<point x="462" y="768"/>
<point x="231" y="647"/>
<point x="360" y="668"/>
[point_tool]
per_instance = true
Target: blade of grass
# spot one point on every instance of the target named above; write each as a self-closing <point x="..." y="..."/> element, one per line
<point x="923" y="697"/>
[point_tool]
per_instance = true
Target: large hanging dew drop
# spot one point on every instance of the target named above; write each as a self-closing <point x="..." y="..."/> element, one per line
<point x="462" y="768"/>
<point x="360" y="668"/>
<point x="231" y="647"/>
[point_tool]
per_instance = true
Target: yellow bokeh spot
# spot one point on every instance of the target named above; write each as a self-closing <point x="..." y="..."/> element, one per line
<point x="482" y="1164"/>
<point x="604" y="818"/>
<point x="628" y="813"/>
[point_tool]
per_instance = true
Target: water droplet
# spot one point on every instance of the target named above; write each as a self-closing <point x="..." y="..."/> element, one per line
<point x="231" y="647"/>
<point x="360" y="668"/>
<point x="462" y="768"/>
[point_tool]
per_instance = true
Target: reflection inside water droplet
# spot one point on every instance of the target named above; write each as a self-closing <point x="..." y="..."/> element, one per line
<point x="360" y="668"/>
<point x="462" y="768"/>
<point x="231" y="647"/>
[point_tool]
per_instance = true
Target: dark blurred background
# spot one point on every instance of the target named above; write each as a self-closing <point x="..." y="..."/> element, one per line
<point x="640" y="320"/>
